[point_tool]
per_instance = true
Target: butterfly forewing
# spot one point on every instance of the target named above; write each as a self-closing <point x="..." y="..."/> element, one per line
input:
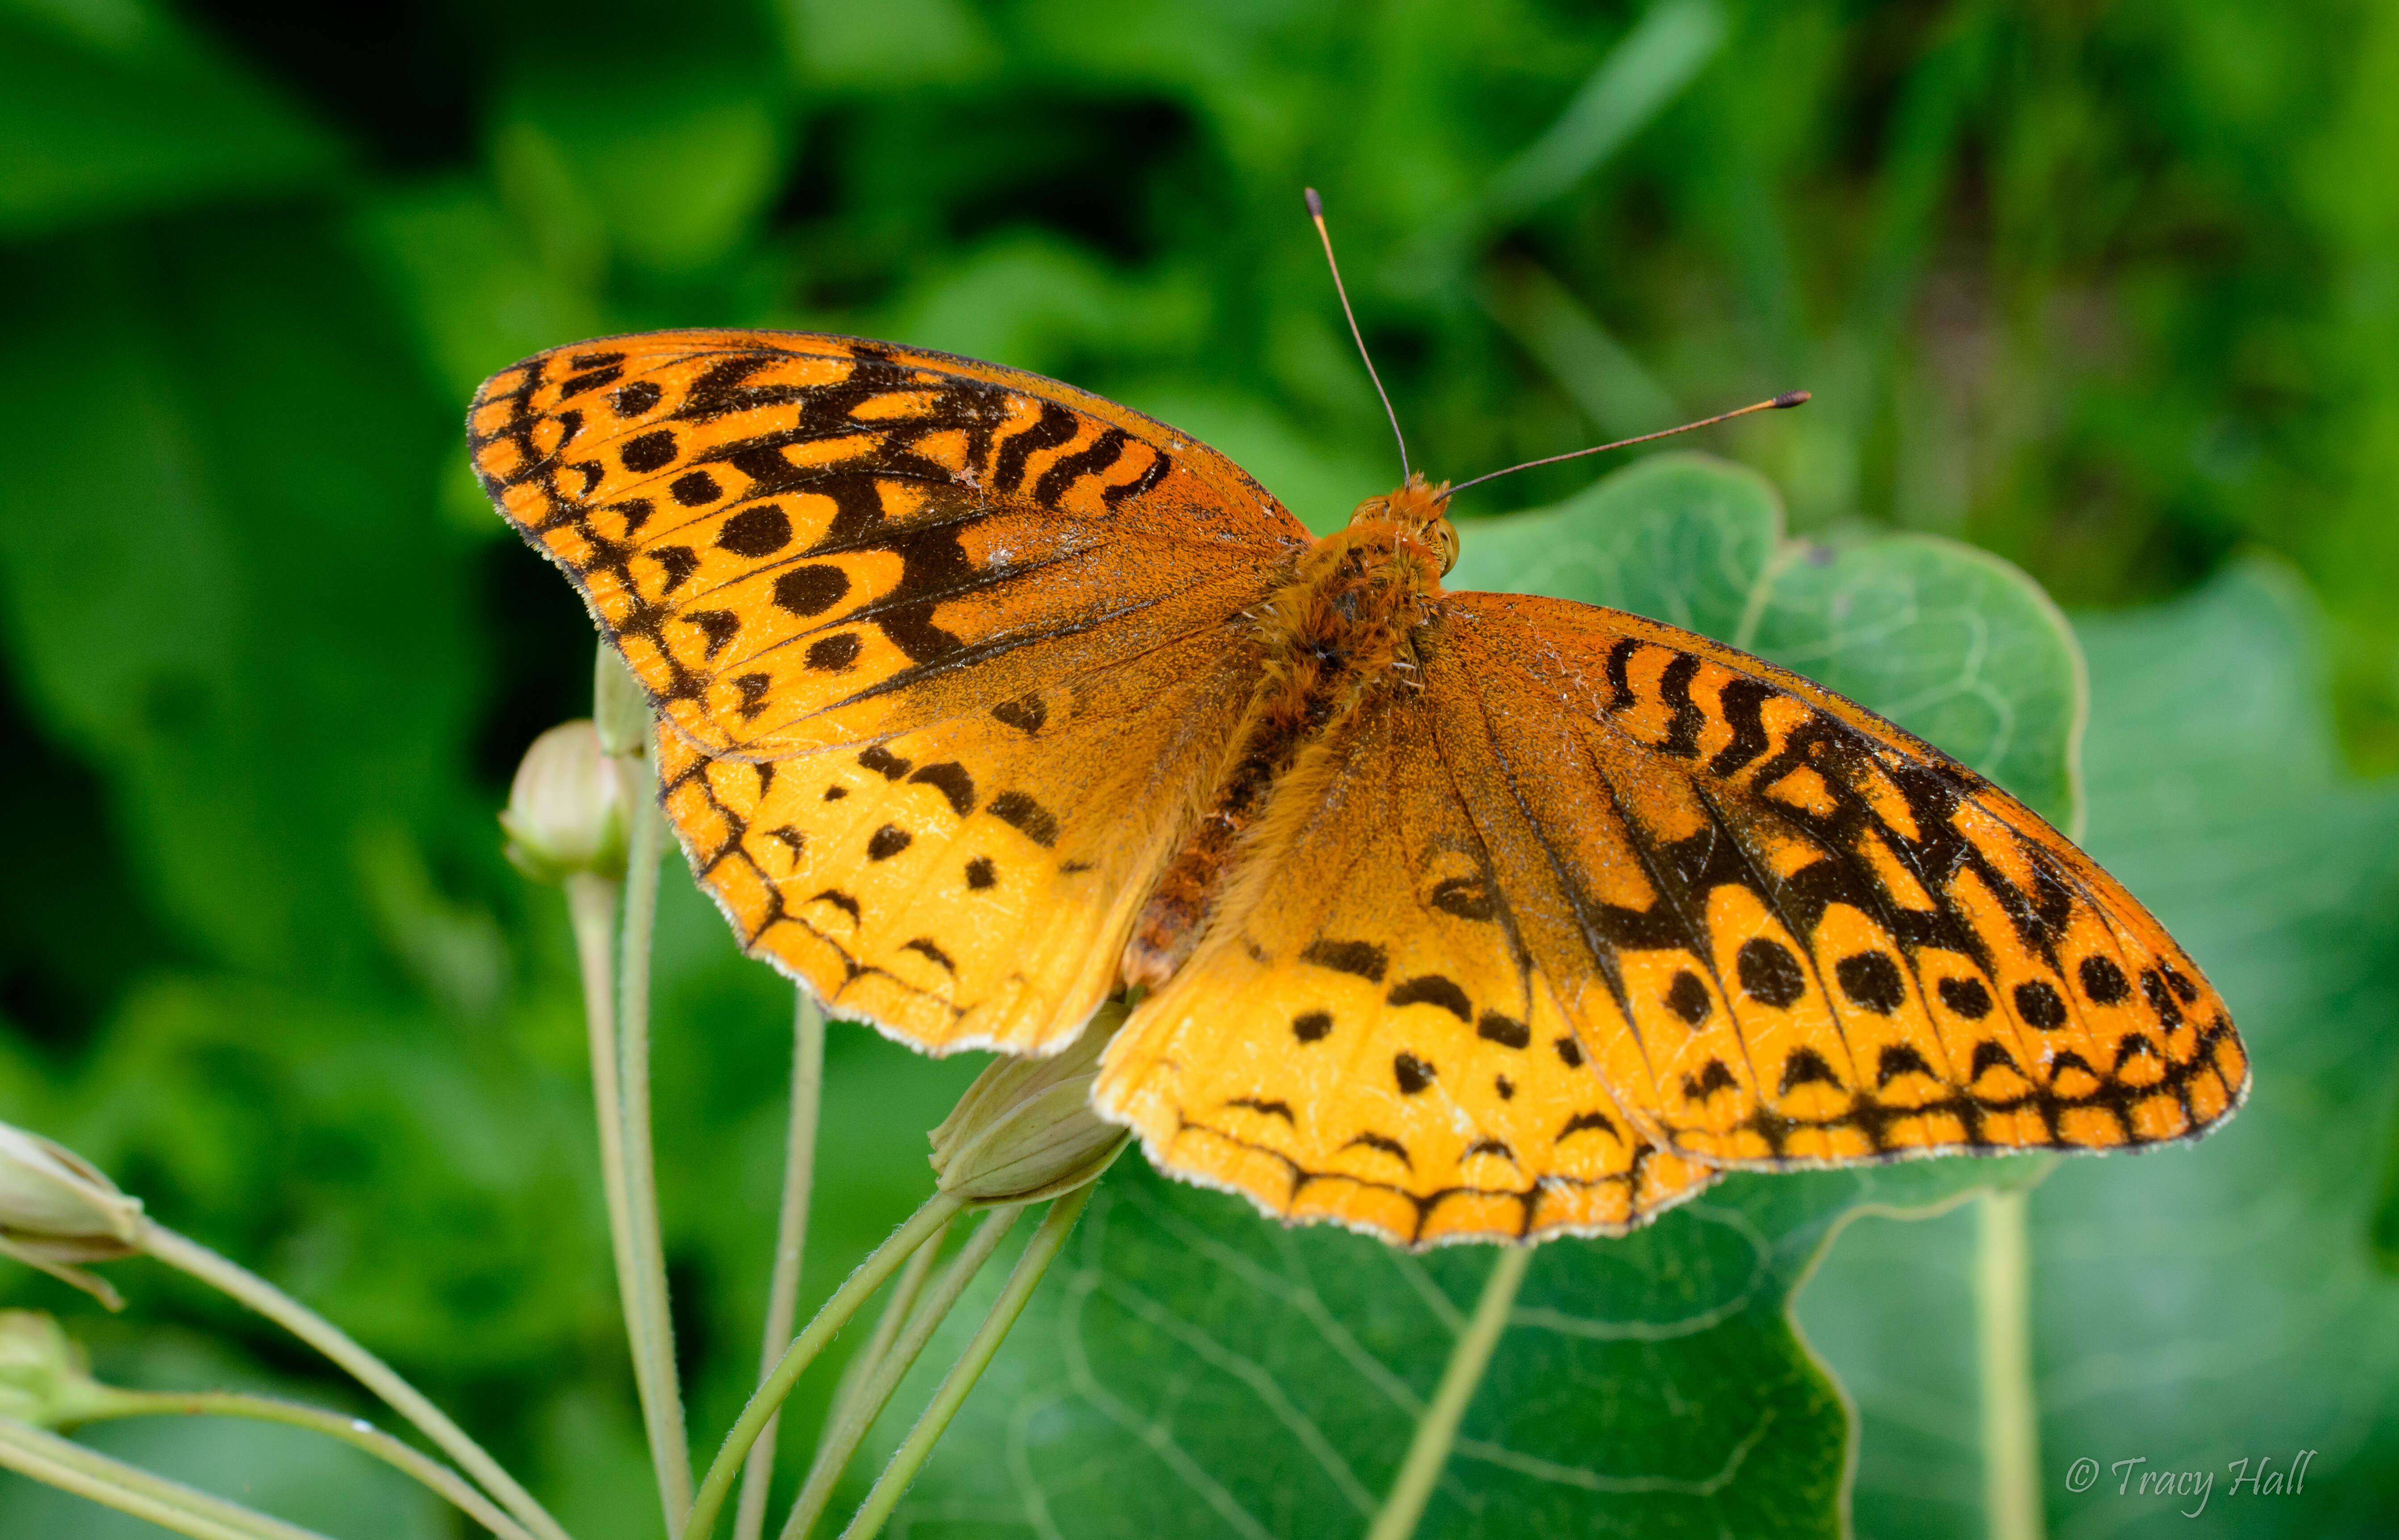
<point x="1791" y="933"/>
<point x="825" y="559"/>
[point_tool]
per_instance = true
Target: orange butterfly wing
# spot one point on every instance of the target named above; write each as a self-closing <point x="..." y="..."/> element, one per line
<point x="899" y="612"/>
<point x="1793" y="933"/>
<point x="1626" y="870"/>
<point x="1363" y="1037"/>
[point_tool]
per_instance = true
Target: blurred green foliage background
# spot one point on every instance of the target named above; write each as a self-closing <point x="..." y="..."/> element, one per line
<point x="2111" y="290"/>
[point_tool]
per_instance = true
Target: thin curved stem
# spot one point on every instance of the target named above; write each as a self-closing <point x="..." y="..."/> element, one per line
<point x="927" y="1220"/>
<point x="857" y="1413"/>
<point x="661" y="1390"/>
<point x="895" y="1307"/>
<point x="2011" y="1505"/>
<point x="1437" y="1429"/>
<point x="791" y="1246"/>
<point x="357" y="1434"/>
<point x="1039" y="1253"/>
<point x="230" y="1277"/>
<point x="592" y="905"/>
<point x="63" y="1464"/>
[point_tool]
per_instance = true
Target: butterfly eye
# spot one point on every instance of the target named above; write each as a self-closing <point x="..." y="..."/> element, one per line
<point x="1444" y="535"/>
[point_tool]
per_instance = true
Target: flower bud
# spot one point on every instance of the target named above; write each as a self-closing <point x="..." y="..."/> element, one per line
<point x="55" y="1210"/>
<point x="619" y="706"/>
<point x="1025" y="1130"/>
<point x="566" y="808"/>
<point x="45" y="1379"/>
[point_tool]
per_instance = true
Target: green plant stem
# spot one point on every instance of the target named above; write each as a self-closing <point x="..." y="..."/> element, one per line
<point x="895" y="1307"/>
<point x="1039" y="1253"/>
<point x="661" y="1390"/>
<point x="1437" y="1429"/>
<point x="850" y="1426"/>
<point x="357" y="1434"/>
<point x="791" y="1245"/>
<point x="231" y="1278"/>
<point x="930" y="1218"/>
<point x="88" y="1473"/>
<point x="2011" y="1505"/>
<point x="591" y="904"/>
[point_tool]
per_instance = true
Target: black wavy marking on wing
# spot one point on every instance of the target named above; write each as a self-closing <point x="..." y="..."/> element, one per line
<point x="1934" y="789"/>
<point x="704" y="865"/>
<point x="1526" y="1199"/>
<point x="935" y="566"/>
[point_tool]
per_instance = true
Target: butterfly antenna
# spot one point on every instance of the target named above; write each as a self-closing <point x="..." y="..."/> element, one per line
<point x="1788" y="399"/>
<point x="1316" y="212"/>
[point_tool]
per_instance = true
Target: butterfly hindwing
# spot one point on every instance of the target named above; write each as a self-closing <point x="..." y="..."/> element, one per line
<point x="1362" y="1036"/>
<point x="819" y="555"/>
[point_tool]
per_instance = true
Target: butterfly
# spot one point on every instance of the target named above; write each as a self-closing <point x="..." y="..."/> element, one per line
<point x="1458" y="916"/>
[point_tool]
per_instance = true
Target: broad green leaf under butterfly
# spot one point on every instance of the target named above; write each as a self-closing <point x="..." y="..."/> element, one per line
<point x="1194" y="1373"/>
<point x="2225" y="1305"/>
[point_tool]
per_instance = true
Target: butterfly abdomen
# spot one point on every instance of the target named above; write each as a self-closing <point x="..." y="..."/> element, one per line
<point x="1345" y="626"/>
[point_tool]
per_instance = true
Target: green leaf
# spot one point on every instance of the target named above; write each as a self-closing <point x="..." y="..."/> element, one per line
<point x="1200" y="1371"/>
<point x="110" y="110"/>
<point x="2194" y="1306"/>
<point x="219" y="581"/>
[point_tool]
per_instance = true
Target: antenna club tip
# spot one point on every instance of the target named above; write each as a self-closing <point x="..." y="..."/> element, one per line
<point x="1315" y="204"/>
<point x="1790" y="399"/>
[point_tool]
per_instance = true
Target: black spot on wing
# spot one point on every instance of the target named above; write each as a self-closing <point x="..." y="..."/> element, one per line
<point x="2103" y="981"/>
<point x="1803" y="1066"/>
<point x="1467" y="898"/>
<point x="2039" y="1003"/>
<point x="1028" y="816"/>
<point x="1590" y="1122"/>
<point x="719" y="625"/>
<point x="1769" y="973"/>
<point x="653" y="451"/>
<point x="1709" y="1081"/>
<point x="1362" y="958"/>
<point x="840" y="901"/>
<point x="833" y="655"/>
<point x="1872" y="981"/>
<point x="678" y="562"/>
<point x="1431" y="989"/>
<point x="810" y="591"/>
<point x="951" y="779"/>
<point x="1966" y="996"/>
<point x="1898" y="1058"/>
<point x="1025" y="713"/>
<point x="1506" y="1030"/>
<point x="1688" y="997"/>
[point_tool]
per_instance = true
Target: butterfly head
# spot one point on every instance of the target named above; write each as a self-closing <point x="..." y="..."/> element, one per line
<point x="1417" y="514"/>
